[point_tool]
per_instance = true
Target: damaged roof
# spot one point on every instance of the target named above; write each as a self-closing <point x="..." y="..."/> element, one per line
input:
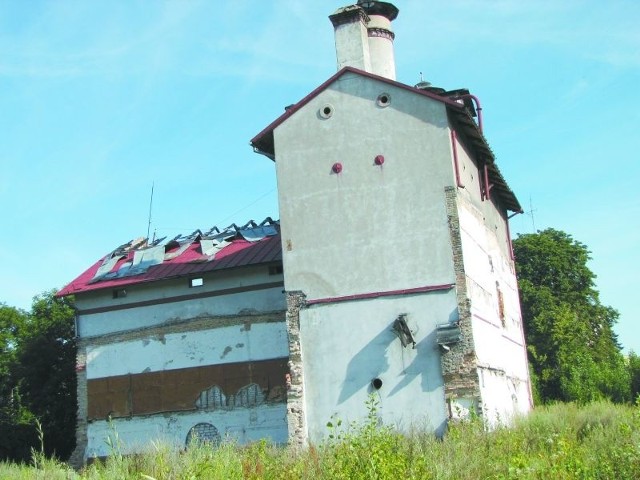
<point x="459" y="116"/>
<point x="140" y="261"/>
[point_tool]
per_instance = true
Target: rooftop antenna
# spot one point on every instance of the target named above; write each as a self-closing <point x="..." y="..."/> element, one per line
<point x="530" y="213"/>
<point x="150" y="207"/>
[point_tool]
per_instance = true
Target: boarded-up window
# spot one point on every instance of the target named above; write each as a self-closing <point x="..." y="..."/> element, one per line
<point x="231" y="385"/>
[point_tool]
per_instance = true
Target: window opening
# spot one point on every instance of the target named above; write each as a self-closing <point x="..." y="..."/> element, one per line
<point x="203" y="433"/>
<point x="119" y="293"/>
<point x="213" y="397"/>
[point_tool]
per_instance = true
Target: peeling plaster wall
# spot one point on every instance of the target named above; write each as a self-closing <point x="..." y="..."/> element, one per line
<point x="188" y="349"/>
<point x="262" y="293"/>
<point x="230" y="340"/>
<point x="494" y="303"/>
<point x="459" y="363"/>
<point x="356" y="344"/>
<point x="137" y="433"/>
<point x="366" y="230"/>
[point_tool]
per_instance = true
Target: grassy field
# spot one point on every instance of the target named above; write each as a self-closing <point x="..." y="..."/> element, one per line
<point x="564" y="441"/>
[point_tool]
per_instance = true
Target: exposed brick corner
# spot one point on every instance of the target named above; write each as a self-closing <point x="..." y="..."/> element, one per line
<point x="459" y="364"/>
<point x="77" y="458"/>
<point x="295" y="383"/>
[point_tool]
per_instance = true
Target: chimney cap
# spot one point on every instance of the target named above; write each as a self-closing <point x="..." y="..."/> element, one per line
<point x="373" y="7"/>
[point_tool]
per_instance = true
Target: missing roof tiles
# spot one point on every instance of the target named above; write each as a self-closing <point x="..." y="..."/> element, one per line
<point x="138" y="256"/>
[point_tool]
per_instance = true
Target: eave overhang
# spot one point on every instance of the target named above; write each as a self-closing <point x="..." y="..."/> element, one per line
<point x="459" y="118"/>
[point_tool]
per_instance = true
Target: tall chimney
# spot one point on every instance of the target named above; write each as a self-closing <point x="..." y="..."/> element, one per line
<point x="364" y="38"/>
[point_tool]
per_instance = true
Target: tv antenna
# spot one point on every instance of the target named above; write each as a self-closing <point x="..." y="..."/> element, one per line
<point x="530" y="213"/>
<point x="150" y="209"/>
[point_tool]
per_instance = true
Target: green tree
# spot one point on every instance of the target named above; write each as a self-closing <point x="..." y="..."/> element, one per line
<point x="45" y="370"/>
<point x="11" y="319"/>
<point x="14" y="417"/>
<point x="573" y="350"/>
<point x="37" y="377"/>
<point x="634" y="373"/>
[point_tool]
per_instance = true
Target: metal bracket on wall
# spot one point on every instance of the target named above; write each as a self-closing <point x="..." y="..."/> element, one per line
<point x="401" y="329"/>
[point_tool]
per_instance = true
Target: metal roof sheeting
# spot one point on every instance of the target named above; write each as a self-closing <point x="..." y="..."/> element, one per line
<point x="135" y="262"/>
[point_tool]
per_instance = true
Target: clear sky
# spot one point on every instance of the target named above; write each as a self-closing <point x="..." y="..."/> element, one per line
<point x="100" y="99"/>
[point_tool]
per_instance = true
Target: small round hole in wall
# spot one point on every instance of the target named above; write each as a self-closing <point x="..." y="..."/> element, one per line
<point x="326" y="111"/>
<point x="384" y="99"/>
<point x="376" y="383"/>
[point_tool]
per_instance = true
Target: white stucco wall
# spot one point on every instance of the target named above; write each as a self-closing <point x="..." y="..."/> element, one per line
<point x="352" y="46"/>
<point x="248" y="302"/>
<point x="262" y="341"/>
<point x="369" y="228"/>
<point x="223" y="331"/>
<point x="381" y="48"/>
<point x="499" y="342"/>
<point x="136" y="434"/>
<point x="346" y="345"/>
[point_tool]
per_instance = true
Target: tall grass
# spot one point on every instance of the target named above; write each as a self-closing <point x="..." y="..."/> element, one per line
<point x="563" y="441"/>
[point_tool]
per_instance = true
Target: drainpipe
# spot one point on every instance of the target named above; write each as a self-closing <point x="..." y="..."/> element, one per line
<point x="456" y="166"/>
<point x="511" y="255"/>
<point x="478" y="106"/>
<point x="509" y="243"/>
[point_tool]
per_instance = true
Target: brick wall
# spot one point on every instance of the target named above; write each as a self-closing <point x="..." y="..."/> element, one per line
<point x="459" y="365"/>
<point x="295" y="385"/>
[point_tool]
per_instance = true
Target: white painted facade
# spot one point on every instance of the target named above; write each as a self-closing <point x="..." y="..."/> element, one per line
<point x="138" y="434"/>
<point x="156" y="329"/>
<point x="364" y="229"/>
<point x="264" y="298"/>
<point x="493" y="291"/>
<point x="172" y="351"/>
<point x="381" y="230"/>
<point x="346" y="345"/>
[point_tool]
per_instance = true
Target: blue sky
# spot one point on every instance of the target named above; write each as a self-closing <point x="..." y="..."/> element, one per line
<point x="100" y="99"/>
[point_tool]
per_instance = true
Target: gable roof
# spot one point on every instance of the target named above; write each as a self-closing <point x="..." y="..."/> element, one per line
<point x="138" y="262"/>
<point x="459" y="117"/>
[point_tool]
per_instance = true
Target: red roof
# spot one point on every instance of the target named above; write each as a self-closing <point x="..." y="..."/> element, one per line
<point x="238" y="253"/>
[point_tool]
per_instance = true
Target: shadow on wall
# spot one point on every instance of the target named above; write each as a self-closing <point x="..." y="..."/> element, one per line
<point x="371" y="361"/>
<point x="426" y="363"/>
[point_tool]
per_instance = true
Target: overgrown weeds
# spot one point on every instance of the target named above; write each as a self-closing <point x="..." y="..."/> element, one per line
<point x="562" y="441"/>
